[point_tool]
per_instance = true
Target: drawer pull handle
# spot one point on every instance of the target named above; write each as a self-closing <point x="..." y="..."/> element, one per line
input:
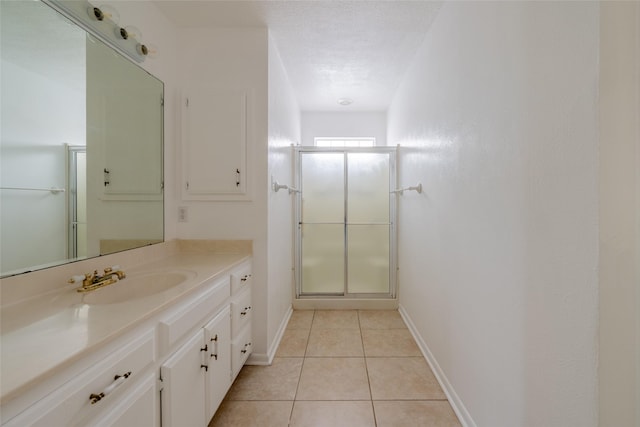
<point x="246" y="309"/>
<point x="215" y="338"/>
<point x="205" y="348"/>
<point x="215" y="356"/>
<point x="245" y="278"/>
<point x="117" y="381"/>
<point x="206" y="368"/>
<point x="243" y="351"/>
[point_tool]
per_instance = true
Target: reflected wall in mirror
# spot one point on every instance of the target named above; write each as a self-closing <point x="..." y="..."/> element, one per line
<point x="80" y="144"/>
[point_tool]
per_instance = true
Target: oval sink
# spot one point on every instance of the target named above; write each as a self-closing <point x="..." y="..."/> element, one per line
<point x="137" y="286"/>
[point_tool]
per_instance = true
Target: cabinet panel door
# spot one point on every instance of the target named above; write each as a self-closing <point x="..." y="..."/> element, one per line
<point x="183" y="380"/>
<point x="214" y="144"/>
<point x="218" y="339"/>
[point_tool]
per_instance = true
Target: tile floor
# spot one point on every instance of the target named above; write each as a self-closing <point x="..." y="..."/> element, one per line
<point x="339" y="368"/>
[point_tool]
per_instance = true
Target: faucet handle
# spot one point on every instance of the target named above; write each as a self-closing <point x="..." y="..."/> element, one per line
<point x="76" y="278"/>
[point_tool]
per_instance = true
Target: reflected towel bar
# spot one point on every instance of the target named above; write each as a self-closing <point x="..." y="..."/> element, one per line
<point x="52" y="190"/>
<point x="417" y="188"/>
<point x="277" y="187"/>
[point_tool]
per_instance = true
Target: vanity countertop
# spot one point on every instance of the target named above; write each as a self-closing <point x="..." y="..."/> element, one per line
<point x="45" y="334"/>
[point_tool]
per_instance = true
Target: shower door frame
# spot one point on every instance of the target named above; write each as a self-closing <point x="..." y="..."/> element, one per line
<point x="393" y="208"/>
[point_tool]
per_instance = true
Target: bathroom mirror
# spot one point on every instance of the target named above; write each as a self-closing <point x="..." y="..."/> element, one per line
<point x="81" y="137"/>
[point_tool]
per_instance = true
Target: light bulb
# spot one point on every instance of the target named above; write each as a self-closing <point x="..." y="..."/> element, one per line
<point x="134" y="32"/>
<point x="147" y="50"/>
<point x="103" y="12"/>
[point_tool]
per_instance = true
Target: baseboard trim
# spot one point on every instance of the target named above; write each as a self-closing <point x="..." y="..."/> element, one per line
<point x="454" y="400"/>
<point x="267" y="359"/>
<point x="345" y="304"/>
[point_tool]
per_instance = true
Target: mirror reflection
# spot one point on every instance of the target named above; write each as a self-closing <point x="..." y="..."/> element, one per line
<point x="80" y="144"/>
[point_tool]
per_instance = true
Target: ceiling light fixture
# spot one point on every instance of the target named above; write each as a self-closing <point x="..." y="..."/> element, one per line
<point x="345" y="101"/>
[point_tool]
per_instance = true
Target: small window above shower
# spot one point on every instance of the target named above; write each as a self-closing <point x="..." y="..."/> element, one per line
<point x="344" y="142"/>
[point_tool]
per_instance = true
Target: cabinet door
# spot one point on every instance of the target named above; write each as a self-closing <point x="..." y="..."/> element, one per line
<point x="218" y="339"/>
<point x="183" y="378"/>
<point x="138" y="409"/>
<point x="214" y="145"/>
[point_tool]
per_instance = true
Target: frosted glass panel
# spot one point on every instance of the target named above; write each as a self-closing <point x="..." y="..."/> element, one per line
<point x="323" y="187"/>
<point x="368" y="258"/>
<point x="368" y="187"/>
<point x="322" y="258"/>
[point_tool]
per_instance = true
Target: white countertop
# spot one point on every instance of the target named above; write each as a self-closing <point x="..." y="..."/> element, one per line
<point x="44" y="334"/>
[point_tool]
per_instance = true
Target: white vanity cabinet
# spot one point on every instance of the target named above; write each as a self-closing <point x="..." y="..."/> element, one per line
<point x="183" y="382"/>
<point x="196" y="377"/>
<point x="241" y="310"/>
<point x="217" y="335"/>
<point x="108" y="384"/>
<point x="173" y="368"/>
<point x="138" y="409"/>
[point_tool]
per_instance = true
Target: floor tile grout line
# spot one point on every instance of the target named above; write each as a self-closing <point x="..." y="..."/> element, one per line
<point x="366" y="370"/>
<point x="304" y="357"/>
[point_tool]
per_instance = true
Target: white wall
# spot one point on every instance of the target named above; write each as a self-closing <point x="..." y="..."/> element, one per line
<point x="347" y="124"/>
<point x="498" y="257"/>
<point x="233" y="59"/>
<point x="619" y="351"/>
<point x="284" y="130"/>
<point x="40" y="115"/>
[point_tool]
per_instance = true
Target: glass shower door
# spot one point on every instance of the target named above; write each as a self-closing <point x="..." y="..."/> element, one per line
<point x="368" y="228"/>
<point x="322" y="223"/>
<point x="345" y="223"/>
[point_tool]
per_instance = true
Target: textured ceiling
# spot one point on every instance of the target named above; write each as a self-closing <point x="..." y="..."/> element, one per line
<point x="37" y="38"/>
<point x="330" y="49"/>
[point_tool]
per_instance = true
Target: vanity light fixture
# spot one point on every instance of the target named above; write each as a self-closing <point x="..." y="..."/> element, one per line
<point x="102" y="22"/>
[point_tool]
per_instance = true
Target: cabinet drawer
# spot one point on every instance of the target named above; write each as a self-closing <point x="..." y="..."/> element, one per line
<point x="138" y="408"/>
<point x="241" y="310"/>
<point x="184" y="319"/>
<point x="71" y="403"/>
<point x="241" y="278"/>
<point x="241" y="348"/>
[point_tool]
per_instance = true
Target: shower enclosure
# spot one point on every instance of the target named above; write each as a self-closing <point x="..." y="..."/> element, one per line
<point x="345" y="215"/>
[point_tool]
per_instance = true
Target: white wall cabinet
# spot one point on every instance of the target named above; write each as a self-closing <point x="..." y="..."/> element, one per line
<point x="214" y="145"/>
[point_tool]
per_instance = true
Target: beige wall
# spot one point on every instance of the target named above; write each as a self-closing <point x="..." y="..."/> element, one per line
<point x="618" y="270"/>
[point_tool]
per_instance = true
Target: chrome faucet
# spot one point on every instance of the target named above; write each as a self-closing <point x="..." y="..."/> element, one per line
<point x="95" y="280"/>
